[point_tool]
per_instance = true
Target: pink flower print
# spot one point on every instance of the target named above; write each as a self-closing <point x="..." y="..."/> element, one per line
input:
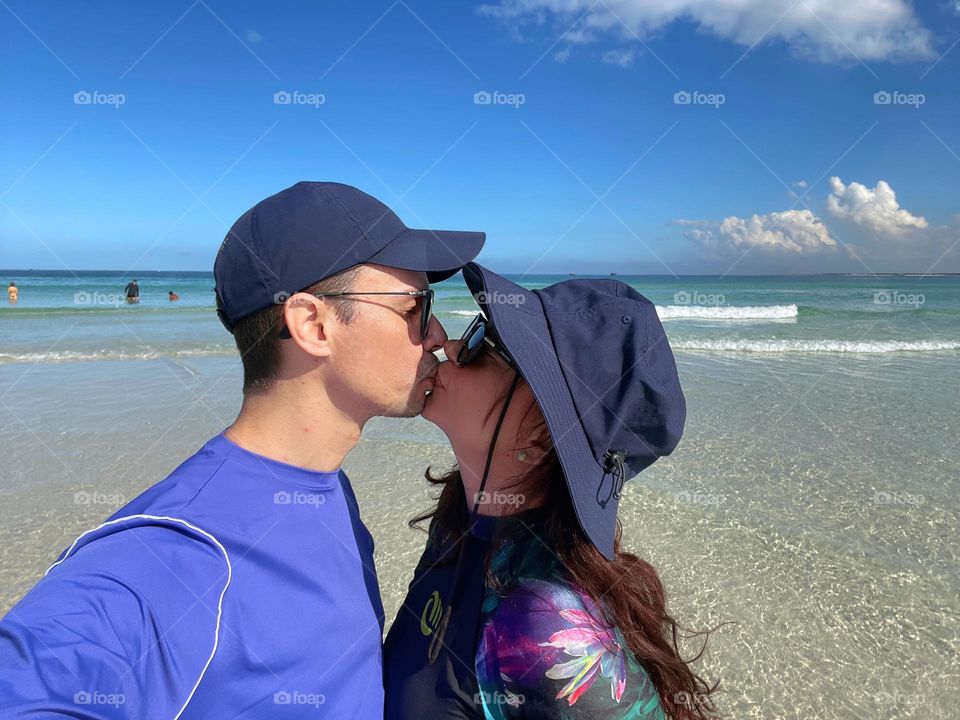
<point x="595" y="650"/>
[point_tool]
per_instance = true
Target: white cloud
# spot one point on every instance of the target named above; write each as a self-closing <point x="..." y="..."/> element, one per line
<point x="793" y="232"/>
<point x="822" y="30"/>
<point x="253" y="36"/>
<point x="875" y="209"/>
<point x="623" y="57"/>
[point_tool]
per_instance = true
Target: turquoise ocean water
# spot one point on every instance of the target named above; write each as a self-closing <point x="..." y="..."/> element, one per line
<point x="65" y="316"/>
<point x="814" y="497"/>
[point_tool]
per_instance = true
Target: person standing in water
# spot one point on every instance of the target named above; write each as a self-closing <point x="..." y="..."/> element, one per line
<point x="13" y="293"/>
<point x="132" y="291"/>
<point x="172" y="296"/>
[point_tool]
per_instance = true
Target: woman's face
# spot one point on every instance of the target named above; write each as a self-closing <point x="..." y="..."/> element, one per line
<point x="463" y="398"/>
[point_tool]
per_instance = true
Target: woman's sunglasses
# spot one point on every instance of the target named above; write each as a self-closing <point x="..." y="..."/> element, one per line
<point x="478" y="336"/>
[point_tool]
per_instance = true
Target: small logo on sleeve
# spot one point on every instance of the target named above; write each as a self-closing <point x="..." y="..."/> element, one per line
<point x="430" y="617"/>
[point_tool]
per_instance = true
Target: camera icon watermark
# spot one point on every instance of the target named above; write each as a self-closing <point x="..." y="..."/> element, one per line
<point x="499" y="499"/>
<point x="695" y="97"/>
<point x="95" y="697"/>
<point x="895" y="97"/>
<point x="295" y="97"/>
<point x="95" y="297"/>
<point x="703" y="499"/>
<point x="95" y="97"/>
<point x="693" y="297"/>
<point x="899" y="698"/>
<point x="885" y="497"/>
<point x="893" y="297"/>
<point x="297" y="697"/>
<point x="83" y="497"/>
<point x="500" y="298"/>
<point x="484" y="97"/>
<point x="485" y="698"/>
<point x="282" y="497"/>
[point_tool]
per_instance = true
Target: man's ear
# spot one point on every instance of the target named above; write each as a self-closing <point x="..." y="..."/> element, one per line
<point x="309" y="322"/>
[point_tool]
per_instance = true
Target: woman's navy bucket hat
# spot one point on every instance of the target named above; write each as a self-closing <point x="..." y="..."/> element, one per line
<point x="601" y="369"/>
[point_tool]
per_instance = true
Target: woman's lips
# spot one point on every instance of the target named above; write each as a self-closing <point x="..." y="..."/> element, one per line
<point x="438" y="381"/>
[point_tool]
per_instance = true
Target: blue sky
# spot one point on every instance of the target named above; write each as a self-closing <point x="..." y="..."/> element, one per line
<point x="586" y="159"/>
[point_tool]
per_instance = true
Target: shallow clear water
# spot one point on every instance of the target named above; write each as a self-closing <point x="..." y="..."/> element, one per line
<point x="813" y="499"/>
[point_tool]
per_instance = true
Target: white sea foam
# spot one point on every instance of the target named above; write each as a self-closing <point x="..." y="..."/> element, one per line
<point x="78" y="356"/>
<point x="815" y="346"/>
<point x="726" y="312"/>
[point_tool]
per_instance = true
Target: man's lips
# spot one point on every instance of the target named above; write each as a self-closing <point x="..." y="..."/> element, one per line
<point x="438" y="379"/>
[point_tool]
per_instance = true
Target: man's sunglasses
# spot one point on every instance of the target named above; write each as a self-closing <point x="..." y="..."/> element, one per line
<point x="426" y="309"/>
<point x="478" y="336"/>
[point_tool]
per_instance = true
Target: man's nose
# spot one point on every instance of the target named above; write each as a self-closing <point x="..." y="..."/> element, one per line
<point x="436" y="335"/>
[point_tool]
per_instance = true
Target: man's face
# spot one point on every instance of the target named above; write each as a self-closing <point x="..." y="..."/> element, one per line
<point x="379" y="357"/>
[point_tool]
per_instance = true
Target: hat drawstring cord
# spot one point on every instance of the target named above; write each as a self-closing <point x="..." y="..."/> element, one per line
<point x="613" y="464"/>
<point x="433" y="650"/>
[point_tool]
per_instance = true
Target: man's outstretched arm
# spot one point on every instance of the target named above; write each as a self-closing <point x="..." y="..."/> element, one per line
<point x="124" y="627"/>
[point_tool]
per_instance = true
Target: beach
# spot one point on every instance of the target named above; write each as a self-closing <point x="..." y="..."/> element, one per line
<point x="813" y="501"/>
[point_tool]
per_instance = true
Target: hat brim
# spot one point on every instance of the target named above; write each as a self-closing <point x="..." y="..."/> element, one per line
<point x="520" y="322"/>
<point x="439" y="253"/>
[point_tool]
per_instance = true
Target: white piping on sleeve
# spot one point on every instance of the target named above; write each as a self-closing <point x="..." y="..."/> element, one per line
<point x="226" y="557"/>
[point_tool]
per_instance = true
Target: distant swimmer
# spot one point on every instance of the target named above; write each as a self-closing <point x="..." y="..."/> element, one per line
<point x="12" y="292"/>
<point x="132" y="291"/>
<point x="172" y="296"/>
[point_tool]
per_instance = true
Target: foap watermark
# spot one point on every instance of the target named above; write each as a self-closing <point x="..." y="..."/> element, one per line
<point x="282" y="497"/>
<point x="295" y="97"/>
<point x="893" y="297"/>
<point x="84" y="297"/>
<point x="695" y="97"/>
<point x="689" y="699"/>
<point x="895" y="97"/>
<point x="84" y="497"/>
<point x="500" y="298"/>
<point x="500" y="499"/>
<point x="899" y="698"/>
<point x="484" y="97"/>
<point x="95" y="97"/>
<point x="695" y="498"/>
<point x="297" y="697"/>
<point x="95" y="697"/>
<point x="488" y="699"/>
<point x="885" y="497"/>
<point x="685" y="297"/>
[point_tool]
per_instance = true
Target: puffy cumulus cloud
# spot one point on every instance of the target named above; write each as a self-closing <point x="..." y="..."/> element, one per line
<point x="875" y="209"/>
<point x="821" y="30"/>
<point x="793" y="232"/>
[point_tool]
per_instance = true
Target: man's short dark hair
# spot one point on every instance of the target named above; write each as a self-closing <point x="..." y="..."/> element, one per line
<point x="258" y="335"/>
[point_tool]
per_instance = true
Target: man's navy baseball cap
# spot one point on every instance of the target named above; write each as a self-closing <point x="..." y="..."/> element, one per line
<point x="598" y="363"/>
<point x="313" y="230"/>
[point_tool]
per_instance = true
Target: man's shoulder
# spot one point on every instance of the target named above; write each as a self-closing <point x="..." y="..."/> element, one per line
<point x="194" y="477"/>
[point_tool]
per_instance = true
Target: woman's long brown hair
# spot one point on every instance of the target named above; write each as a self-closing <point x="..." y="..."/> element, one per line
<point x="628" y="590"/>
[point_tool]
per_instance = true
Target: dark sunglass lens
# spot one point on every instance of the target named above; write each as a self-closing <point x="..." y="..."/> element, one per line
<point x="425" y="314"/>
<point x="471" y="341"/>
